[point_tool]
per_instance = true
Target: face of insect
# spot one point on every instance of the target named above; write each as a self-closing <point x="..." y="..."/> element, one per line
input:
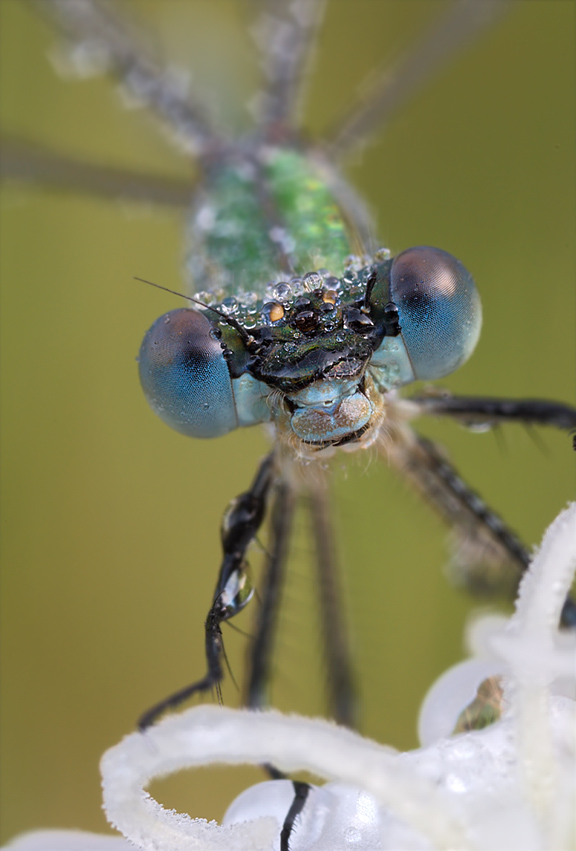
<point x="111" y="546"/>
<point x="318" y="362"/>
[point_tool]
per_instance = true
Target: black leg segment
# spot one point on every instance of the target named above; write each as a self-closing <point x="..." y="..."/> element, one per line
<point x="486" y="410"/>
<point x="241" y="523"/>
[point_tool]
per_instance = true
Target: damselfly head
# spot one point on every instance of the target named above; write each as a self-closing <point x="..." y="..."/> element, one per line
<point x="318" y="341"/>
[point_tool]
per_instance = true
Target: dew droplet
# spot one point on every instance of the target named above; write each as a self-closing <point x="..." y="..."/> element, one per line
<point x="272" y="312"/>
<point x="205" y="296"/>
<point x="282" y="291"/>
<point x="249" y="300"/>
<point x="229" y="305"/>
<point x="312" y="281"/>
<point x="382" y="254"/>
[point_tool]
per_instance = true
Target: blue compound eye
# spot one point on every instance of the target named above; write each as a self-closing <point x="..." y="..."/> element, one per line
<point x="185" y="377"/>
<point x="438" y="308"/>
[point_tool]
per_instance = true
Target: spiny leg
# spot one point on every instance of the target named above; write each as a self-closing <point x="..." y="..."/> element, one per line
<point x="487" y="544"/>
<point x="241" y="523"/>
<point x="286" y="35"/>
<point x="343" y="698"/>
<point x="301" y="792"/>
<point x="464" y="21"/>
<point x="489" y="411"/>
<point x="260" y="655"/>
<point x="341" y="684"/>
<point x="100" y="35"/>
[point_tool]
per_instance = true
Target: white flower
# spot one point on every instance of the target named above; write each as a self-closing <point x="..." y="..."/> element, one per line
<point x="511" y="785"/>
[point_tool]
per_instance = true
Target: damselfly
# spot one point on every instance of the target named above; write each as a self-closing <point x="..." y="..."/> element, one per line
<point x="413" y="194"/>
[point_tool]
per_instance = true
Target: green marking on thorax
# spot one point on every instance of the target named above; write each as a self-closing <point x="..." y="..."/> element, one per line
<point x="256" y="212"/>
<point x="312" y="218"/>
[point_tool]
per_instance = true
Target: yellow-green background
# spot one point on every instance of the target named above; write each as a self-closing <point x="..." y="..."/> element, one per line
<point x="110" y="521"/>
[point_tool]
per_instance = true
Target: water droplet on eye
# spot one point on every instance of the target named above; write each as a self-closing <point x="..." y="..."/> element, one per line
<point x="229" y="305"/>
<point x="282" y="291"/>
<point x="312" y="281"/>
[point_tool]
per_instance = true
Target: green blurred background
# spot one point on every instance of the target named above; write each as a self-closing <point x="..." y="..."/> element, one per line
<point x="110" y="521"/>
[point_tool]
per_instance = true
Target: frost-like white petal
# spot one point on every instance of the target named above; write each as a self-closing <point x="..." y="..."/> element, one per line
<point x="208" y="734"/>
<point x="529" y="649"/>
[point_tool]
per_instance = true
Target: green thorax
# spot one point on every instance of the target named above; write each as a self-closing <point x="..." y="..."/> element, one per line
<point x="264" y="218"/>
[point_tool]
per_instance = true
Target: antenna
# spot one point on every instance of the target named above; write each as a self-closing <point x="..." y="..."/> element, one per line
<point x="250" y="342"/>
